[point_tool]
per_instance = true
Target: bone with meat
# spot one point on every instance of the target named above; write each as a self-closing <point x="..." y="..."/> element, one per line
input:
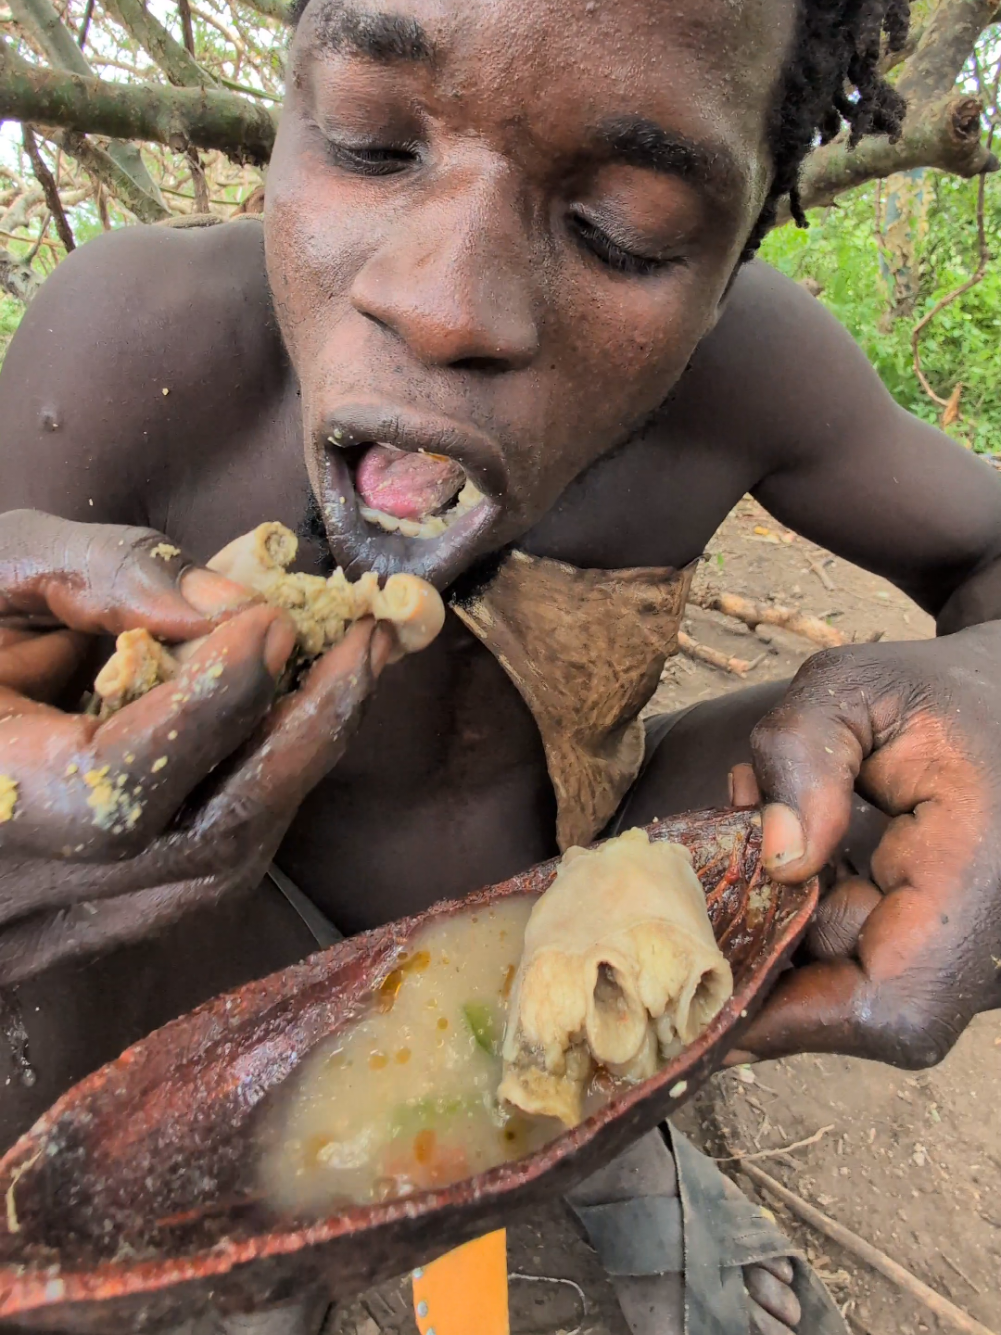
<point x="322" y="609"/>
<point x="620" y="969"/>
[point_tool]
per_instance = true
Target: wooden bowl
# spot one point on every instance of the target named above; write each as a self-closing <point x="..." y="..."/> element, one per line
<point x="129" y="1202"/>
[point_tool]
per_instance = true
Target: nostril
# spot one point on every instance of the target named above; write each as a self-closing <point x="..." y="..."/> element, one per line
<point x="482" y="365"/>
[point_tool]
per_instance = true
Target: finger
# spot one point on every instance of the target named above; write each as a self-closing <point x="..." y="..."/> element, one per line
<point x="810" y="1010"/>
<point x="40" y="665"/>
<point x="808" y="751"/>
<point x="90" y="790"/>
<point x="840" y="917"/>
<point x="777" y="1299"/>
<point x="744" y="790"/>
<point x="88" y="929"/>
<point x="307" y="733"/>
<point x="104" y="578"/>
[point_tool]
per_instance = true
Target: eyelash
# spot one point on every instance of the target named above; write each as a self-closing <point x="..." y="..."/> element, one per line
<point x="611" y="254"/>
<point x="373" y="161"/>
<point x="392" y="161"/>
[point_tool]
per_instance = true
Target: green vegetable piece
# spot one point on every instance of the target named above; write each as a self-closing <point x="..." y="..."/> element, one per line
<point x="479" y="1015"/>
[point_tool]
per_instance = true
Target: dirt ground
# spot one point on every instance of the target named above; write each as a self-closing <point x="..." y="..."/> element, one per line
<point x="910" y="1162"/>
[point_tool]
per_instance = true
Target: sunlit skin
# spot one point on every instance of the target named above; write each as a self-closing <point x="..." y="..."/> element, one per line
<point x="539" y="282"/>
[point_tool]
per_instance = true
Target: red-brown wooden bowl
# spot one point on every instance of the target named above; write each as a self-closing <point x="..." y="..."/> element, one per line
<point x="128" y="1202"/>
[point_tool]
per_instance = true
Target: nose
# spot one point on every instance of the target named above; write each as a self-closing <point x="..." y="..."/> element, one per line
<point x="453" y="278"/>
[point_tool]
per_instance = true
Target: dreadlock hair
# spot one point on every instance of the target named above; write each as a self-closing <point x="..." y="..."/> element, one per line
<point x="830" y="79"/>
<point x="836" y="48"/>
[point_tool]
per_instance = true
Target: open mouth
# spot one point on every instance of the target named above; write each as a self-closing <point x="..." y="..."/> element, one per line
<point x="406" y="490"/>
<point x="418" y="494"/>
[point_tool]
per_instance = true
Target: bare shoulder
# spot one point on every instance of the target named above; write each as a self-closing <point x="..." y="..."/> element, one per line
<point x="124" y="358"/>
<point x="778" y="367"/>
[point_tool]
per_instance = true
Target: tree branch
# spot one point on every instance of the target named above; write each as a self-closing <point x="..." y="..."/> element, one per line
<point x="946" y="42"/>
<point x="180" y="67"/>
<point x="178" y="117"/>
<point x="945" y="135"/>
<point x="103" y="168"/>
<point x="40" y="18"/>
<point x="49" y="188"/>
<point x="271" y="9"/>
<point x="18" y="279"/>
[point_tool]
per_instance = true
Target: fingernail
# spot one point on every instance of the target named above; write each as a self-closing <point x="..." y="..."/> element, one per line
<point x="782" y="838"/>
<point x="213" y="594"/>
<point x="278" y="644"/>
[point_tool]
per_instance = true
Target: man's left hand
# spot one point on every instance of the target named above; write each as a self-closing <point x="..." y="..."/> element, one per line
<point x="903" y="963"/>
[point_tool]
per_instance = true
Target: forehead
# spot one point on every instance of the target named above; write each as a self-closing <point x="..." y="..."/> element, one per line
<point x="708" y="68"/>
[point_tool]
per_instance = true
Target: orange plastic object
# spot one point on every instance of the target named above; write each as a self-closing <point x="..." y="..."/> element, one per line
<point x="465" y="1292"/>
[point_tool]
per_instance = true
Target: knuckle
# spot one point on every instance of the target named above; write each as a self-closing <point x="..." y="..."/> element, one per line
<point x="905" y="1030"/>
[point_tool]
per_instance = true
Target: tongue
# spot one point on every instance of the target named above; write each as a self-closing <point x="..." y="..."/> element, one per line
<point x="409" y="486"/>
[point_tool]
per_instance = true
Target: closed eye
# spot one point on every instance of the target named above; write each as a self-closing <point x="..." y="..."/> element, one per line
<point x="364" y="160"/>
<point x="611" y="253"/>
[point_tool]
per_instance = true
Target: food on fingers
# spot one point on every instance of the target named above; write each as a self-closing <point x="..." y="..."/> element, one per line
<point x="323" y="610"/>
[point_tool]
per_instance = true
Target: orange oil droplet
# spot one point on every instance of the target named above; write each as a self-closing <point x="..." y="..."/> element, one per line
<point x="508" y="980"/>
<point x="416" y="963"/>
<point x="442" y="1023"/>
<point x="424" y="1146"/>
<point x="388" y="991"/>
<point x="377" y="1060"/>
<point x="403" y="1056"/>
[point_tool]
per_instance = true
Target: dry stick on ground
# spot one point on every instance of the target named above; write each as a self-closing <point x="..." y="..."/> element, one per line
<point x="950" y="297"/>
<point x="822" y="575"/>
<point x="49" y="188"/>
<point x="756" y="614"/>
<point x="693" y="649"/>
<point x="778" y="1150"/>
<point x="948" y="1313"/>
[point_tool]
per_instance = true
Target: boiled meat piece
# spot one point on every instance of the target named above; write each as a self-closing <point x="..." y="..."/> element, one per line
<point x="620" y="969"/>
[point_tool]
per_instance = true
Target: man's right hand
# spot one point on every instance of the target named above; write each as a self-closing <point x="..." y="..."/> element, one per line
<point x="119" y="827"/>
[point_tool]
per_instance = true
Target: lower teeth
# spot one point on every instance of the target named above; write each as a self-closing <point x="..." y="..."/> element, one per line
<point x="431" y="527"/>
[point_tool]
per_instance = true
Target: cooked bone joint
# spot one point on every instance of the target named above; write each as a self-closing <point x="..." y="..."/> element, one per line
<point x="620" y="968"/>
<point x="138" y="664"/>
<point x="322" y="610"/>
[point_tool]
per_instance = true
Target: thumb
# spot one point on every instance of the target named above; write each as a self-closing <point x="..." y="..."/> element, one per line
<point x="807" y="755"/>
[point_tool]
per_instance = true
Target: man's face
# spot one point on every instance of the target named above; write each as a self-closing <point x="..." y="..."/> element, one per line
<point x="496" y="230"/>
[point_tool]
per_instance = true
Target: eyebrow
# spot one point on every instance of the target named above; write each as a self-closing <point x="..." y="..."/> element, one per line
<point x="643" y="143"/>
<point x="373" y="34"/>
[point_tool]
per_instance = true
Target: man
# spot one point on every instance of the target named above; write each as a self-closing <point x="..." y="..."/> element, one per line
<point x="506" y="240"/>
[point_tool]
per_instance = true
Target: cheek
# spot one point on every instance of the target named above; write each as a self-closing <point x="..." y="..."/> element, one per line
<point x="630" y="340"/>
<point x="313" y="243"/>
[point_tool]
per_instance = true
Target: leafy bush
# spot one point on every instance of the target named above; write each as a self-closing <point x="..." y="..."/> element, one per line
<point x="841" y="252"/>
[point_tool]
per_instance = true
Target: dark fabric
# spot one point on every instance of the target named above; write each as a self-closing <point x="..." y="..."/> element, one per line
<point x="638" y="1237"/>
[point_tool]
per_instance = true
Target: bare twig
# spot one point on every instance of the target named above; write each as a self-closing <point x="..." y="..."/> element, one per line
<point x="706" y="654"/>
<point x="48" y="183"/>
<point x="755" y="614"/>
<point x="961" y="1273"/>
<point x="40" y="239"/>
<point x="822" y="575"/>
<point x="88" y="14"/>
<point x="779" y="1149"/>
<point x="947" y="1312"/>
<point x="950" y="297"/>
